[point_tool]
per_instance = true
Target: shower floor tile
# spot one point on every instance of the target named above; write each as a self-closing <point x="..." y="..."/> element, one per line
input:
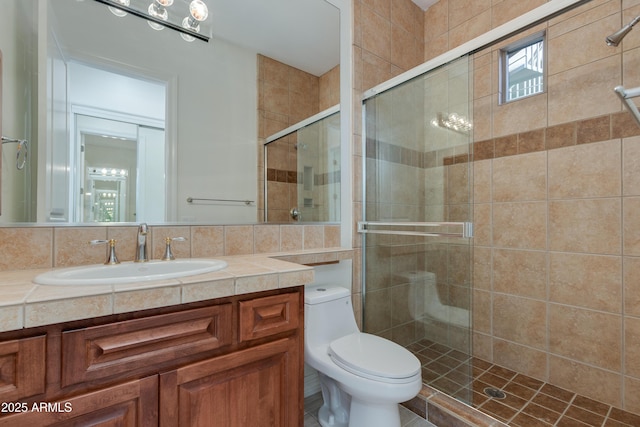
<point x="515" y="399"/>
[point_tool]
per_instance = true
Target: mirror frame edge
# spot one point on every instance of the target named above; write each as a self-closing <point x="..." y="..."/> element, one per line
<point x="346" y="120"/>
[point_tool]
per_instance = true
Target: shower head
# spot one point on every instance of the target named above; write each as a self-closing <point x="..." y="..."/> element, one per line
<point x="615" y="38"/>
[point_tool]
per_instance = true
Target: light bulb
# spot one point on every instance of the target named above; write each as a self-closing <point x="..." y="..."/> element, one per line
<point x="198" y="10"/>
<point x="118" y="12"/>
<point x="157" y="11"/>
<point x="165" y="3"/>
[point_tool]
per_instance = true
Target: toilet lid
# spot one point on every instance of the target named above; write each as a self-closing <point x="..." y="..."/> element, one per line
<point x="374" y="357"/>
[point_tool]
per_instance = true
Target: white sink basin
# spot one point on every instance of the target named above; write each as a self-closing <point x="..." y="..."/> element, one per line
<point x="129" y="272"/>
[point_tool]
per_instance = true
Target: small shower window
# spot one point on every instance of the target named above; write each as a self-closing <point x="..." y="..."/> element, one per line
<point x="523" y="68"/>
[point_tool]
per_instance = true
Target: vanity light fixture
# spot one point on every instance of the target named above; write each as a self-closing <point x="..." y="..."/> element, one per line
<point x="163" y="13"/>
<point x="198" y="12"/>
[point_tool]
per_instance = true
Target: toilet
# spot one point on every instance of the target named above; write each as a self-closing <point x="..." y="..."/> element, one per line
<point x="363" y="377"/>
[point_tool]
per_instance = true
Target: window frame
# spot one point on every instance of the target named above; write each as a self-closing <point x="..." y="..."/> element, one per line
<point x="511" y="49"/>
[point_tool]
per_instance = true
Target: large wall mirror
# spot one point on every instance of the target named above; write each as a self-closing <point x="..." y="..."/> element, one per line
<point x="127" y="124"/>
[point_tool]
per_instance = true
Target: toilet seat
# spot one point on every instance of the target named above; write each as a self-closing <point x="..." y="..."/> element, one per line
<point x="375" y="358"/>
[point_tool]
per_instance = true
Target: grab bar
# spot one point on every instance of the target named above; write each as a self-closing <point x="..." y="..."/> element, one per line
<point x="465" y="232"/>
<point x="192" y="199"/>
<point x="626" y="95"/>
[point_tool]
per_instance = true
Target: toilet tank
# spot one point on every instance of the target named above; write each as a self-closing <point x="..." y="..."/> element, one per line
<point x="328" y="314"/>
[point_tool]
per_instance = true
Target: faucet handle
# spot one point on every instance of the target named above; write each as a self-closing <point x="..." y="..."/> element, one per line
<point x="111" y="250"/>
<point x="168" y="253"/>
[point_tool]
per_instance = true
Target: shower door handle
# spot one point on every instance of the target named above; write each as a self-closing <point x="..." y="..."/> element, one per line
<point x="369" y="227"/>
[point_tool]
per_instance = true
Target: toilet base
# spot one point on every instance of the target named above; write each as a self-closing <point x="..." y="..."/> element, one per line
<point x="366" y="414"/>
<point x="335" y="410"/>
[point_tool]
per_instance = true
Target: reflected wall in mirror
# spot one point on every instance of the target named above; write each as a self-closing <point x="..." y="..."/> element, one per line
<point x="303" y="171"/>
<point x="65" y="53"/>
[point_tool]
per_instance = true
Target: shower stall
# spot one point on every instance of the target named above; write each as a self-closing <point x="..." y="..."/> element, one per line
<point x="417" y="251"/>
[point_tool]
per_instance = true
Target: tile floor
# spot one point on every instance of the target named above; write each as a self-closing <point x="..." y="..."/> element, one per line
<point x="527" y="402"/>
<point x="313" y="403"/>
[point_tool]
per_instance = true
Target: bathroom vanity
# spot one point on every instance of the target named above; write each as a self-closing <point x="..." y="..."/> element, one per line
<point x="234" y="360"/>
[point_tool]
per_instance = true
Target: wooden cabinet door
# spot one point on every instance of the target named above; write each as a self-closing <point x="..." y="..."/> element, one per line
<point x="256" y="387"/>
<point x="22" y="368"/>
<point x="131" y="404"/>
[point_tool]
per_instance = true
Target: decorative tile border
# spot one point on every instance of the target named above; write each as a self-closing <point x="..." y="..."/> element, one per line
<point x="597" y="129"/>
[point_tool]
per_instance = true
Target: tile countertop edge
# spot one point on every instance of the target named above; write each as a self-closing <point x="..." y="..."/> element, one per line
<point x="29" y="301"/>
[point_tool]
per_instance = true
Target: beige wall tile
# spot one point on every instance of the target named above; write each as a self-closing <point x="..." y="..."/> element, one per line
<point x="481" y="311"/>
<point x="482" y="181"/>
<point x="523" y="115"/>
<point x="376" y="33"/>
<point x="632" y="395"/>
<point x="585" y="335"/>
<point x="584" y="91"/>
<point x="331" y="236"/>
<point x="483" y="70"/>
<point x="267" y="238"/>
<point x="470" y="29"/>
<point x="461" y="11"/>
<point x="632" y="346"/>
<point x="313" y="236"/>
<point x="207" y="241"/>
<point x="520" y="320"/>
<point x="482" y="228"/>
<point x="631" y="166"/>
<point x="482" y="346"/>
<point x="438" y="18"/>
<point x="588" y="170"/>
<point x="522" y="273"/>
<point x="506" y="10"/>
<point x="37" y="241"/>
<point x="482" y="121"/>
<point x="631" y="225"/>
<point x="71" y="246"/>
<point x="599" y="384"/>
<point x="291" y="237"/>
<point x="590" y="281"/>
<point x="562" y="45"/>
<point x="587" y="225"/>
<point x="482" y="268"/>
<point x="521" y="225"/>
<point x="632" y="286"/>
<point x="522" y="359"/>
<point x="520" y="178"/>
<point x="238" y="239"/>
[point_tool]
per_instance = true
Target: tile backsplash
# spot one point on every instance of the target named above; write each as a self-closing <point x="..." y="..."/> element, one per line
<point x="35" y="247"/>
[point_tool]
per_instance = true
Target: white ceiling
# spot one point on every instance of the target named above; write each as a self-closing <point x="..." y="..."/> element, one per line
<point x="424" y="4"/>
<point x="302" y="33"/>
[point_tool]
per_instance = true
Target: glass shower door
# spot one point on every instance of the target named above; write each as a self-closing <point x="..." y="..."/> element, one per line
<point x="417" y="250"/>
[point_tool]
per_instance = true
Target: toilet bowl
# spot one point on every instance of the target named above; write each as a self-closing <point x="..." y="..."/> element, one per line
<point x="363" y="377"/>
<point x="424" y="300"/>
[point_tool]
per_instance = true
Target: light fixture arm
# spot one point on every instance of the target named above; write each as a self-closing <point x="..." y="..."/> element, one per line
<point x="143" y="15"/>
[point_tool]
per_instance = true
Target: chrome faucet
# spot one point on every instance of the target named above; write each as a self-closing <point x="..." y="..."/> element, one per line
<point x="142" y="255"/>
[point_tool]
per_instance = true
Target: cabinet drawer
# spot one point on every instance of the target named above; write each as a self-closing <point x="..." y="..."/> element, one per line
<point x="266" y="316"/>
<point x="22" y="368"/>
<point x="115" y="349"/>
